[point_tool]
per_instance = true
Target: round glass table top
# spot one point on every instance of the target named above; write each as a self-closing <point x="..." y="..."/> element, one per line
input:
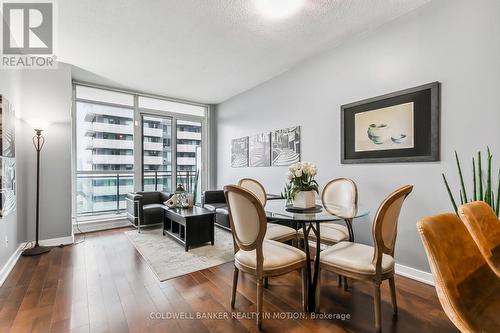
<point x="277" y="210"/>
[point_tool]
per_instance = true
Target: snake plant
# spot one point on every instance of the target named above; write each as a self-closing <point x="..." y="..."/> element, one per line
<point x="483" y="193"/>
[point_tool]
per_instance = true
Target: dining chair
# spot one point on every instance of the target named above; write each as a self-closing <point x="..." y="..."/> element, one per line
<point x="484" y="227"/>
<point x="275" y="231"/>
<point x="340" y="192"/>
<point x="363" y="262"/>
<point x="253" y="253"/>
<point x="467" y="288"/>
<point x="339" y="196"/>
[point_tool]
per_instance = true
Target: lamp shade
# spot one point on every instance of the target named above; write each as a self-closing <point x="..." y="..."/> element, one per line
<point x="38" y="124"/>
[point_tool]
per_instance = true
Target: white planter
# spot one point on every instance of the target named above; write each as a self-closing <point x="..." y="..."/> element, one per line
<point x="304" y="199"/>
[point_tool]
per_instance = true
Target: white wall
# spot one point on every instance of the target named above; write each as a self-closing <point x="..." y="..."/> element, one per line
<point x="454" y="42"/>
<point x="46" y="94"/>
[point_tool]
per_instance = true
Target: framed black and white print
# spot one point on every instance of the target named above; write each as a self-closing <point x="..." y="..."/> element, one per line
<point x="260" y="150"/>
<point x="7" y="128"/>
<point x="285" y="145"/>
<point x="398" y="127"/>
<point x="8" y="186"/>
<point x="239" y="152"/>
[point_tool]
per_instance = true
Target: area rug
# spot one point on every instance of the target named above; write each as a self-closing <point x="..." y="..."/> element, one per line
<point x="167" y="258"/>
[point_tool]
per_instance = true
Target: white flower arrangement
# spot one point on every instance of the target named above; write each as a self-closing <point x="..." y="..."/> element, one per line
<point x="300" y="178"/>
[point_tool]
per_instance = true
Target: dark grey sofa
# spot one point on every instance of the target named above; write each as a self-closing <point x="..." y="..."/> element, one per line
<point x="216" y="201"/>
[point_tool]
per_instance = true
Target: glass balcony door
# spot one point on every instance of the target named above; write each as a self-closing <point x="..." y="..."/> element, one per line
<point x="126" y="142"/>
<point x="157" y="153"/>
<point x="189" y="156"/>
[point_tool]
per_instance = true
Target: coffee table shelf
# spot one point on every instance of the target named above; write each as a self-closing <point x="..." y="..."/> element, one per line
<point x="189" y="226"/>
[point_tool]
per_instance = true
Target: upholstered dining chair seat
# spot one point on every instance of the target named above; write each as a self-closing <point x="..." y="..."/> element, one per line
<point x="276" y="256"/>
<point x="330" y="233"/>
<point x="278" y="231"/>
<point x="354" y="257"/>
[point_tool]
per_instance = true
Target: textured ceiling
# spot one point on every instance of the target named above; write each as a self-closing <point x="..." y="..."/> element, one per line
<point x="205" y="50"/>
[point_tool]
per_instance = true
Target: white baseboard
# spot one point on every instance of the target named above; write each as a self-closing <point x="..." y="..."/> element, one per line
<point x="58" y="241"/>
<point x="9" y="265"/>
<point x="100" y="225"/>
<point x="414" y="274"/>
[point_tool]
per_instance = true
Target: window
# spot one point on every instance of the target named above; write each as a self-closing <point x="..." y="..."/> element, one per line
<point x="104" y="121"/>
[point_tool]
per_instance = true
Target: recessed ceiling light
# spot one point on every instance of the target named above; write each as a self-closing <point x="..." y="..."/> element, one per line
<point x="279" y="8"/>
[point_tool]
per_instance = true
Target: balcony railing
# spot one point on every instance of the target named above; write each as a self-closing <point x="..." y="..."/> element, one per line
<point x="104" y="192"/>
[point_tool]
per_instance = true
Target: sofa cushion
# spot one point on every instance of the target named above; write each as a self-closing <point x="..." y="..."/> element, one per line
<point x="222" y="217"/>
<point x="215" y="205"/>
<point x="153" y="206"/>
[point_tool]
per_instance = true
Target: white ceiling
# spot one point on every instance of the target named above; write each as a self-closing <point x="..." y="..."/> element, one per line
<point x="205" y="50"/>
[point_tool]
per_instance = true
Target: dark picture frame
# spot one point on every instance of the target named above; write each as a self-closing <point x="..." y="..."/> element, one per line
<point x="424" y="101"/>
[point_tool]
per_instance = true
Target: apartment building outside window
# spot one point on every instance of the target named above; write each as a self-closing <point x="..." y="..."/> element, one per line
<point x="110" y="125"/>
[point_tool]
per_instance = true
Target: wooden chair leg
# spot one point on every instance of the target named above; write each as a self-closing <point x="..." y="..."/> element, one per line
<point x="235" y="286"/>
<point x="392" y="284"/>
<point x="260" y="290"/>
<point x="339" y="280"/>
<point x="376" y="305"/>
<point x="266" y="282"/>
<point x="346" y="286"/>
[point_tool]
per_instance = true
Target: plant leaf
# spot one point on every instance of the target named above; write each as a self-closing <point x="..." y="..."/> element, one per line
<point x="480" y="176"/>
<point x="452" y="199"/>
<point x="498" y="195"/>
<point x="487" y="196"/>
<point x="474" y="178"/>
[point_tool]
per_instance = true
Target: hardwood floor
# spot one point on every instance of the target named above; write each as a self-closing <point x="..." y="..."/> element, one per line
<point x="104" y="285"/>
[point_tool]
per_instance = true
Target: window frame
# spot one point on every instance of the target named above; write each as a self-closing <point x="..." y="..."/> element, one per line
<point x="138" y="134"/>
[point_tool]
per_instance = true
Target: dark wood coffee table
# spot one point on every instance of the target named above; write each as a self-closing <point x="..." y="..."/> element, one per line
<point x="189" y="226"/>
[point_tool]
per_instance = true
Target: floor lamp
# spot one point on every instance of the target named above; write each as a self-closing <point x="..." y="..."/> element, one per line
<point x="38" y="142"/>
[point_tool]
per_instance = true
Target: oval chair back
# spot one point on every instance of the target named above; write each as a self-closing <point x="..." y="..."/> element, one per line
<point x="340" y="197"/>
<point x="255" y="187"/>
<point x="468" y="289"/>
<point x="385" y="226"/>
<point x="484" y="227"/>
<point x="247" y="218"/>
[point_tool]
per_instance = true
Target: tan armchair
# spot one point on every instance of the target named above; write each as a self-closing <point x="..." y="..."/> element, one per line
<point x="484" y="227"/>
<point x="276" y="232"/>
<point x="363" y="262"/>
<point x="469" y="291"/>
<point x="253" y="253"/>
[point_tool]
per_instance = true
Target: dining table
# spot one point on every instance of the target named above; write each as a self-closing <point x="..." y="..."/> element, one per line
<point x="309" y="220"/>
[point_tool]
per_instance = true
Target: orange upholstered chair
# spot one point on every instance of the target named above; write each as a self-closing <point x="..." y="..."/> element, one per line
<point x="468" y="289"/>
<point x="484" y="227"/>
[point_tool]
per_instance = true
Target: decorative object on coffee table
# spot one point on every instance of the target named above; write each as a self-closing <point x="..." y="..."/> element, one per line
<point x="398" y="127"/>
<point x="189" y="226"/>
<point x="38" y="143"/>
<point x="302" y="185"/>
<point x="182" y="199"/>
